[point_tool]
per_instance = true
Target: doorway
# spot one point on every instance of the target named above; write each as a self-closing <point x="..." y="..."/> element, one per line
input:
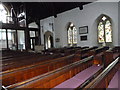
<point x="48" y="40"/>
<point x="32" y="43"/>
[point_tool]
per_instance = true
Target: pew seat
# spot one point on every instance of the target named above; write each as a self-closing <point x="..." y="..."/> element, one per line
<point x="79" y="78"/>
<point x="114" y="82"/>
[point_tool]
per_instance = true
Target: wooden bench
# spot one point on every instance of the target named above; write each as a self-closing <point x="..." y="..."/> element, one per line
<point x="13" y="55"/>
<point x="85" y="52"/>
<point x="81" y="77"/>
<point x="99" y="54"/>
<point x="64" y="50"/>
<point x="12" y="67"/>
<point x="9" y="54"/>
<point x="104" y="78"/>
<point x="114" y="83"/>
<point x="24" y="60"/>
<point x="111" y="55"/>
<point x="34" y="70"/>
<point x="23" y="73"/>
<point x="58" y="67"/>
<point x="27" y="60"/>
<point x="55" y="77"/>
<point x="116" y="49"/>
<point x="13" y="52"/>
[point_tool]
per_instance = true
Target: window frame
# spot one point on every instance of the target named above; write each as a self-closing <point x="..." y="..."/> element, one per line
<point x="104" y="23"/>
<point x="72" y="31"/>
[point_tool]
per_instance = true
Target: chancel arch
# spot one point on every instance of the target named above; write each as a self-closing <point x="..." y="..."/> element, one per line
<point x="104" y="29"/>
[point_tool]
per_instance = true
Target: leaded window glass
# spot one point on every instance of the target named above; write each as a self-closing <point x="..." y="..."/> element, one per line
<point x="108" y="31"/>
<point x="72" y="35"/>
<point x="69" y="36"/>
<point x="104" y="30"/>
<point x="101" y="32"/>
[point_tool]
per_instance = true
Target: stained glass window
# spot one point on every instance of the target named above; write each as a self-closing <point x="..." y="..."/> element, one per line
<point x="72" y="35"/>
<point x="104" y="30"/>
<point x="108" y="31"/>
<point x="101" y="32"/>
<point x="69" y="36"/>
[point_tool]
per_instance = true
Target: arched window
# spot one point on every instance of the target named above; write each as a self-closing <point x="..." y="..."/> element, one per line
<point x="104" y="30"/>
<point x="72" y="35"/>
<point x="3" y="14"/>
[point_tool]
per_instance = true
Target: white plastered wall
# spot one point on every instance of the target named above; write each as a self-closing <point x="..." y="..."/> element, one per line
<point x="46" y="25"/>
<point x="119" y="24"/>
<point x="86" y="17"/>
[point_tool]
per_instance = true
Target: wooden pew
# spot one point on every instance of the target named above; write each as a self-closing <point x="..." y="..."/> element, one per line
<point x="9" y="52"/>
<point x="23" y="73"/>
<point x="116" y="49"/>
<point x="108" y="57"/>
<point x="20" y="55"/>
<point x="12" y="54"/>
<point x="11" y="67"/>
<point x="27" y="60"/>
<point x="114" y="83"/>
<point x="111" y="55"/>
<point x="13" y="60"/>
<point x="16" y="62"/>
<point x="75" y="49"/>
<point x="85" y="52"/>
<point x="99" y="54"/>
<point x="64" y="50"/>
<point x="55" y="77"/>
<point x="75" y="57"/>
<point x="16" y="57"/>
<point x="103" y="79"/>
<point x="81" y="78"/>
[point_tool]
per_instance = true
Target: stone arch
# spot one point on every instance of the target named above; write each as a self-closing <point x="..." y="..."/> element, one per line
<point x="48" y="40"/>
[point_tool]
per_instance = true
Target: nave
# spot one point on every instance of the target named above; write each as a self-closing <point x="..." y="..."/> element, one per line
<point x="73" y="67"/>
<point x="60" y="45"/>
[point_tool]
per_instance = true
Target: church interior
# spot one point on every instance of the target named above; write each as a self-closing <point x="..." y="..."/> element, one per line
<point x="60" y="45"/>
